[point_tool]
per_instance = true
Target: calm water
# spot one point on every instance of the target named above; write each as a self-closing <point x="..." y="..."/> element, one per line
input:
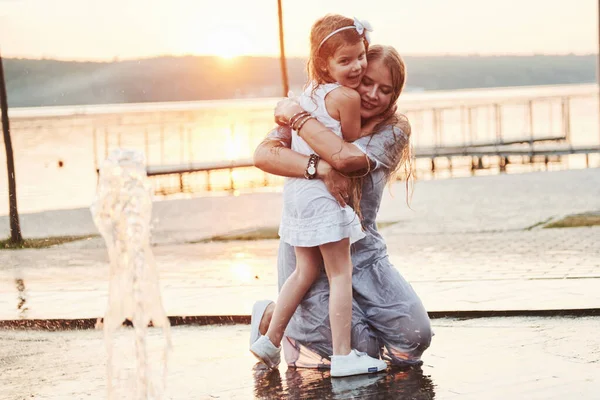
<point x="57" y="149"/>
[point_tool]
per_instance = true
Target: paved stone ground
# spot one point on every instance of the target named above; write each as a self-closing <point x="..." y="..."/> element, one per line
<point x="491" y="358"/>
<point x="463" y="253"/>
<point x="470" y="244"/>
<point x="521" y="270"/>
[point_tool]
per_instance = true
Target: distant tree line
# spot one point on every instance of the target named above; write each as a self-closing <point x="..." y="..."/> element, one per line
<point x="50" y="82"/>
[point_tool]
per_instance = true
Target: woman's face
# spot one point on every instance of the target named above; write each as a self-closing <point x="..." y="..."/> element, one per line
<point x="375" y="90"/>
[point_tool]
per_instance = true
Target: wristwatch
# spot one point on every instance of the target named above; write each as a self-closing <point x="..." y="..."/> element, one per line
<point x="311" y="168"/>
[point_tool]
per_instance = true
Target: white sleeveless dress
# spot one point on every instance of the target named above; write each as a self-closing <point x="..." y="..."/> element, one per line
<point x="311" y="215"/>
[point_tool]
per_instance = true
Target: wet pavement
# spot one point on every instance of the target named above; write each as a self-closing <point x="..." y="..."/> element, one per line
<point x="514" y="270"/>
<point x="489" y="358"/>
<point x="469" y="245"/>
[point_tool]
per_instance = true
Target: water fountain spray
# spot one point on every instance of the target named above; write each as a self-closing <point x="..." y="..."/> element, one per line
<point x="122" y="211"/>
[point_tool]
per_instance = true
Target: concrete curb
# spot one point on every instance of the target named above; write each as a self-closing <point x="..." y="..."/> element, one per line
<point x="202" y="320"/>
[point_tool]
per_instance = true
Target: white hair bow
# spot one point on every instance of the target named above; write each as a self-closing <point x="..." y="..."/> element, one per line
<point x="363" y="27"/>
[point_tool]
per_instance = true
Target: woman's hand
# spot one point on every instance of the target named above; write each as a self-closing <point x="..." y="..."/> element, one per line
<point x="337" y="184"/>
<point x="285" y="110"/>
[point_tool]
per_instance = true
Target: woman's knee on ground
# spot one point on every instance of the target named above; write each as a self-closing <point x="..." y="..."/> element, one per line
<point x="408" y="346"/>
<point x="406" y="337"/>
<point x="418" y="333"/>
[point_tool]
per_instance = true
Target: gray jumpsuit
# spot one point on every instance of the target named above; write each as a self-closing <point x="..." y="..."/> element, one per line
<point x="388" y="318"/>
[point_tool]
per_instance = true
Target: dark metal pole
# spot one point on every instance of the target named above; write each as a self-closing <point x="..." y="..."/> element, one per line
<point x="284" y="74"/>
<point x="15" y="228"/>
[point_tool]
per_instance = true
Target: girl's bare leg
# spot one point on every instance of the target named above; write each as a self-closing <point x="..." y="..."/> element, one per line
<point x="338" y="266"/>
<point x="308" y="260"/>
<point x="266" y="319"/>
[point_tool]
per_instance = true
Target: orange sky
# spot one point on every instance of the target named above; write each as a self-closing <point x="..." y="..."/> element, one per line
<point x="102" y="30"/>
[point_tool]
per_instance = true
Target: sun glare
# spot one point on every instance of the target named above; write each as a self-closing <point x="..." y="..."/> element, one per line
<point x="226" y="42"/>
<point x="229" y="50"/>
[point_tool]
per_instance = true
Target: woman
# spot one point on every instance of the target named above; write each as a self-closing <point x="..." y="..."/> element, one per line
<point x="388" y="318"/>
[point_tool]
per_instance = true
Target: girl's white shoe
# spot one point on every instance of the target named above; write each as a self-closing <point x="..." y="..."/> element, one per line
<point x="266" y="352"/>
<point x="355" y="363"/>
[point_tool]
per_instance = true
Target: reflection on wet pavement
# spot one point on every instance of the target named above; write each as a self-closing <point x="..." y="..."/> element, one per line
<point x="477" y="359"/>
<point x="409" y="383"/>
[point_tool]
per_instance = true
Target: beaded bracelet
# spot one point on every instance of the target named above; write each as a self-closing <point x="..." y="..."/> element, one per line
<point x="298" y="121"/>
<point x="296" y="117"/>
<point x="301" y="123"/>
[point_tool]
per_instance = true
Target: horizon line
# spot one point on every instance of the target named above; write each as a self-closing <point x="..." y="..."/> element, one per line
<point x="183" y="55"/>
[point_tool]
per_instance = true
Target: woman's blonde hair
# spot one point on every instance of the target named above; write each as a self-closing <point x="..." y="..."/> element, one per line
<point x="400" y="150"/>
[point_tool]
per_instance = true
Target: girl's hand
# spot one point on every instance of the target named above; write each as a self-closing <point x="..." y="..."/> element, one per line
<point x="337" y="184"/>
<point x="285" y="110"/>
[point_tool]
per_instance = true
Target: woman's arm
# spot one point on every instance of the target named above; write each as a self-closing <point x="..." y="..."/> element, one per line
<point x="342" y="156"/>
<point x="274" y="156"/>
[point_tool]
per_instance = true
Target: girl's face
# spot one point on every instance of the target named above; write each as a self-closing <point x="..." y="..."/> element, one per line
<point x="348" y="64"/>
<point x="375" y="90"/>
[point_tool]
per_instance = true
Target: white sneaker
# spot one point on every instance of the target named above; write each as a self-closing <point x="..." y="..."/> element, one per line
<point x="258" y="310"/>
<point x="355" y="363"/>
<point x="266" y="352"/>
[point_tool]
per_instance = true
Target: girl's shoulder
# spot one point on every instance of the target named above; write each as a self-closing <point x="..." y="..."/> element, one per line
<point x="312" y="85"/>
<point x="329" y="86"/>
<point x="343" y="95"/>
<point x="321" y="90"/>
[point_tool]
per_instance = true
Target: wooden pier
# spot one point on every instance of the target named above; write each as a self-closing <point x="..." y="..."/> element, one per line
<point x="487" y="132"/>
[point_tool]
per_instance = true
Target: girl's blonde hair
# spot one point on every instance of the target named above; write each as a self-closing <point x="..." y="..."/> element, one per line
<point x="320" y="53"/>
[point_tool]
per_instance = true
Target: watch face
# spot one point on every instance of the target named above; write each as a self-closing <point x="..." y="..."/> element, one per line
<point x="311" y="170"/>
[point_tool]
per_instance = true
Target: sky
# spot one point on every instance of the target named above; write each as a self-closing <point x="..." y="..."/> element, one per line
<point x="126" y="29"/>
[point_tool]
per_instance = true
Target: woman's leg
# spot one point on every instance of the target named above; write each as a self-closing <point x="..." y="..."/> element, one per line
<point x="393" y="310"/>
<point x="308" y="261"/>
<point x="338" y="267"/>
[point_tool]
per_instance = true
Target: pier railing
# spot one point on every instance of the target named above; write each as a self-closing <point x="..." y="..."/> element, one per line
<point x="211" y="143"/>
<point x="487" y="133"/>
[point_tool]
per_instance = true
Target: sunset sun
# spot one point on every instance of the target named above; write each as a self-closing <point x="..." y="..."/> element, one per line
<point x="226" y="42"/>
<point x="229" y="50"/>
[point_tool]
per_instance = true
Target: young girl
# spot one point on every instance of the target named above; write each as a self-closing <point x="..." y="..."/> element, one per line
<point x="313" y="221"/>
